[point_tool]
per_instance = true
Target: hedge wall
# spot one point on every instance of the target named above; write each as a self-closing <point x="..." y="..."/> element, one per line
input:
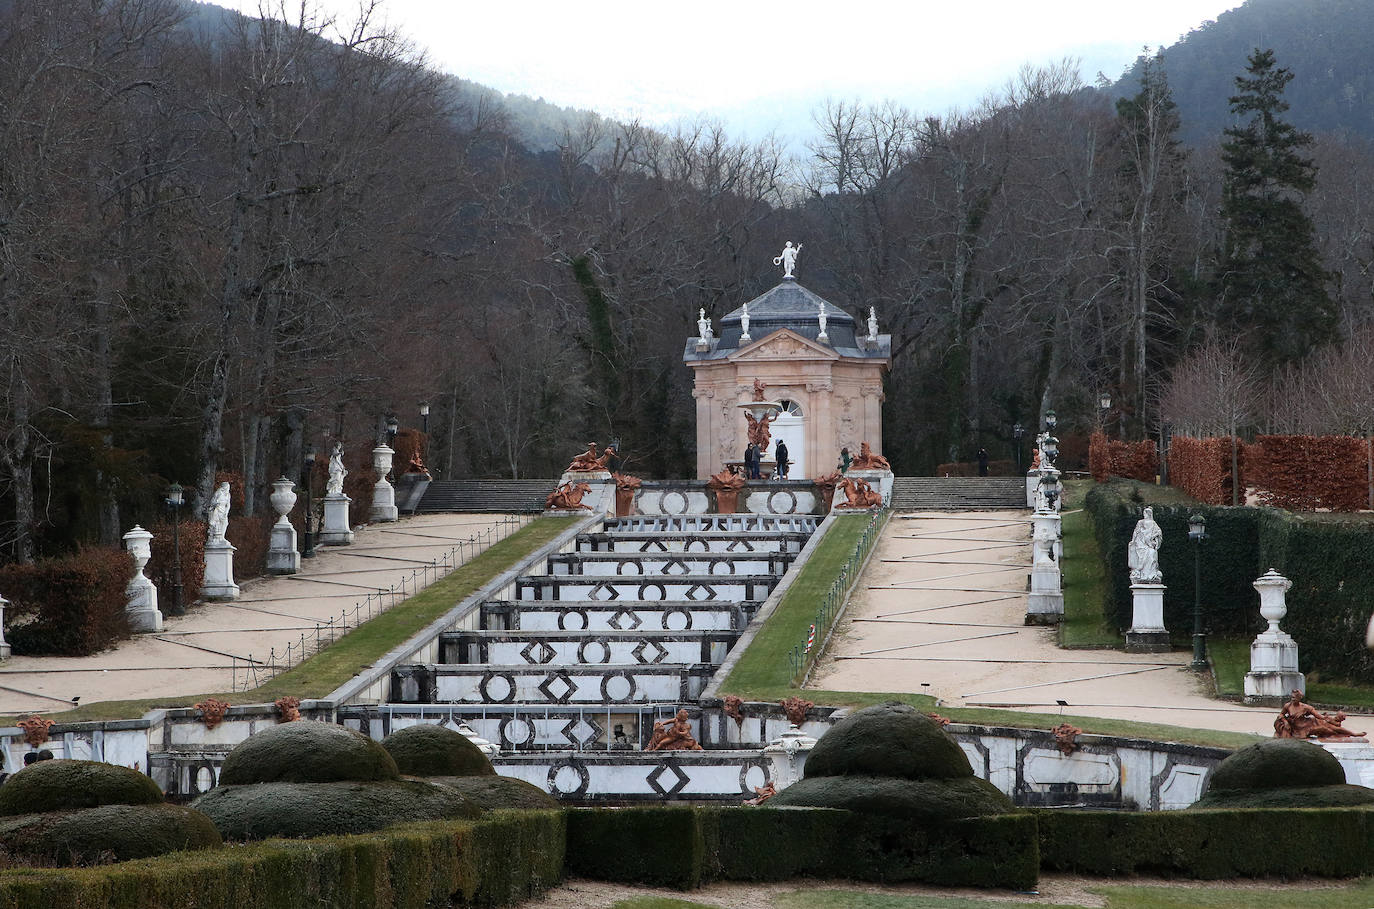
<point x="1202" y="467"/>
<point x="684" y="847"/>
<point x="499" y="861"/>
<point x="1113" y="458"/>
<point x="1230" y="556"/>
<point x="67" y="606"/>
<point x="1275" y="842"/>
<point x="1304" y="473"/>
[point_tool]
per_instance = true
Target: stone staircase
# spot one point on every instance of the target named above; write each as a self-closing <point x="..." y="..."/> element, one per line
<point x="957" y="493"/>
<point x="483" y="496"/>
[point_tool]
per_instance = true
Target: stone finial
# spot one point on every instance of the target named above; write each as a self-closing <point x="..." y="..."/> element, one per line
<point x="283" y="499"/>
<point x="744" y="324"/>
<point x="1272" y="588"/>
<point x="823" y="336"/>
<point x="872" y="324"/>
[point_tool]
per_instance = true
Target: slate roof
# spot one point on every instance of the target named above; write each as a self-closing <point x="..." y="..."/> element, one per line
<point x="789" y="305"/>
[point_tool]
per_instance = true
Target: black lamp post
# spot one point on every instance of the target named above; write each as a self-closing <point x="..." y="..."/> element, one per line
<point x="424" y="417"/>
<point x="1197" y="532"/>
<point x="174" y="501"/>
<point x="1017" y="431"/>
<point x="393" y="426"/>
<point x="307" y="474"/>
<point x="1051" y="421"/>
<point x="1104" y="405"/>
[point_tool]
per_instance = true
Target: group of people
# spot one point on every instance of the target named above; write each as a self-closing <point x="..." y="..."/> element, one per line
<point x="32" y="757"/>
<point x="753" y="461"/>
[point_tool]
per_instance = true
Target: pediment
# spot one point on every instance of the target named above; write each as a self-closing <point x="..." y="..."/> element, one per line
<point x="783" y="344"/>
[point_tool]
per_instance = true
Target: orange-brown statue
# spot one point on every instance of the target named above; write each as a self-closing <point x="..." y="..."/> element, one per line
<point x="568" y="497"/>
<point x="867" y="460"/>
<point x="758" y="389"/>
<point x="588" y="460"/>
<point x="726" y="479"/>
<point x="858" y="494"/>
<point x="1302" y="721"/>
<point x="759" y="433"/>
<point x="673" y="735"/>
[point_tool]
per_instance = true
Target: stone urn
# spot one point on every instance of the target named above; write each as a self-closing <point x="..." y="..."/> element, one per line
<point x="1273" y="588"/>
<point x="283" y="498"/>
<point x="139" y="542"/>
<point x="141" y="607"/>
<point x="381" y="460"/>
<point x="625" y="488"/>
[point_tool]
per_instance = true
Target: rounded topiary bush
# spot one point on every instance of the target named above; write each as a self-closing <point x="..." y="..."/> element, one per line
<point x="106" y="833"/>
<point x="429" y="750"/>
<point x="1343" y="795"/>
<point x="318" y="809"/>
<point x="307" y="752"/>
<point x="491" y="792"/>
<point x="890" y="740"/>
<point x="917" y="800"/>
<point x="1277" y="764"/>
<point x="64" y="785"/>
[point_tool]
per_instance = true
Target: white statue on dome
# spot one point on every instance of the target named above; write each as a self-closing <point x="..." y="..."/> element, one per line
<point x="822" y="336"/>
<point x="703" y="325"/>
<point x="788" y="259"/>
<point x="872" y="324"/>
<point x="744" y="323"/>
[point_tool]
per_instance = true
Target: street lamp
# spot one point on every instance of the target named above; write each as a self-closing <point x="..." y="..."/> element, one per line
<point x="1017" y="431"/>
<point x="174" y="501"/>
<point x="1051" y="421"/>
<point x="307" y="473"/>
<point x="1104" y="400"/>
<point x="392" y="427"/>
<point x="1050" y="449"/>
<point x="424" y="417"/>
<point x="1197" y="532"/>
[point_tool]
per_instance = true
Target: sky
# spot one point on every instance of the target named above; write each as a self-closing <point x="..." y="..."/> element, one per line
<point x="760" y="66"/>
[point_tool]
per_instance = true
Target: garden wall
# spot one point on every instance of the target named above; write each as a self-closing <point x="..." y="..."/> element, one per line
<point x="1129" y="460"/>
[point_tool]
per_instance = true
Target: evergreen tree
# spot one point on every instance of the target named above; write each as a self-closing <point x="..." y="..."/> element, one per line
<point x="1273" y="286"/>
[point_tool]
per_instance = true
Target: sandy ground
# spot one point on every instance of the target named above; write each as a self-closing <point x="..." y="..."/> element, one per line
<point x="940" y="610"/>
<point x="213" y="646"/>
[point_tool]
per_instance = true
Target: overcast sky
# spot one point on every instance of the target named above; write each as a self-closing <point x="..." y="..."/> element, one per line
<point x="740" y="60"/>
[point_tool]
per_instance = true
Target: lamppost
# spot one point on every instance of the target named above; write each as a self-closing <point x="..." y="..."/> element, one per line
<point x="307" y="473"/>
<point x="424" y="417"/>
<point x="1017" y="431"/>
<point x="174" y="501"/>
<point x="1050" y="449"/>
<point x="393" y="426"/>
<point x="1104" y="405"/>
<point x="1051" y="421"/>
<point x="1197" y="532"/>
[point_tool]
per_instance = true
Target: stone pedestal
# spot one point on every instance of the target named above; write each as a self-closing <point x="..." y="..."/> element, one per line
<point x="336" y="531"/>
<point x="282" y="557"/>
<point x="1045" y="605"/>
<point x="383" y="494"/>
<point x="141" y="607"/>
<point x="1273" y="671"/>
<point x="219" y="571"/>
<point x="880" y="480"/>
<point x="1147" y="633"/>
<point x="787" y="756"/>
<point x="1032" y="483"/>
<point x="1357" y="760"/>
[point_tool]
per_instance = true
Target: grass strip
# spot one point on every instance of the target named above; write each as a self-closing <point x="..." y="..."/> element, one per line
<point x="1085" y="587"/>
<point x="764" y="663"/>
<point x="359" y="648"/>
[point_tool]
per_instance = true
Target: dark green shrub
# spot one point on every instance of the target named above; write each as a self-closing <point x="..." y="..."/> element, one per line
<point x="260" y="810"/>
<point x="917" y="800"/>
<point x="71" y="606"/>
<point x="653" y="847"/>
<point x="1276" y="764"/>
<point x="64" y="785"/>
<point x="889" y="740"/>
<point x="1341" y="795"/>
<point x="307" y="752"/>
<point x="493" y="792"/>
<point x="108" y="833"/>
<point x="429" y="750"/>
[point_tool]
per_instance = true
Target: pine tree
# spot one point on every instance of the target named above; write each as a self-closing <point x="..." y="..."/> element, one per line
<point x="1273" y="286"/>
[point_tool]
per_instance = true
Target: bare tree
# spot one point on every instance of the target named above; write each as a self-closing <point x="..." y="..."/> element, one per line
<point x="1214" y="390"/>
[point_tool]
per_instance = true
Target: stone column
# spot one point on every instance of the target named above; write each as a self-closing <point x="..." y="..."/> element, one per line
<point x="142" y="605"/>
<point x="1274" y="654"/>
<point x="383" y="495"/>
<point x="219" y="570"/>
<point x="787" y="755"/>
<point x="1045" y="605"/>
<point x="282" y="557"/>
<point x="1147" y="633"/>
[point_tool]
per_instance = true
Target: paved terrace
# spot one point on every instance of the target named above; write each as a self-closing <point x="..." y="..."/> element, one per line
<point x="940" y="610"/>
<point x="225" y="646"/>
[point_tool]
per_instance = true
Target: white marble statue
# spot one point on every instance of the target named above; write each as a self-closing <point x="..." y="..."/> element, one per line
<point x="703" y="325"/>
<point x="1143" y="553"/>
<point x="744" y="323"/>
<point x="336" y="471"/>
<point x="872" y="324"/>
<point x="823" y="334"/>
<point x="788" y="259"/>
<point x="217" y="514"/>
<point x="710" y="332"/>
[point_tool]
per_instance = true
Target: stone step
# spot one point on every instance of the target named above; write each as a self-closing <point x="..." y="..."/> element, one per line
<point x="726" y="523"/>
<point x="530" y="728"/>
<point x="584" y="648"/>
<point x="590" y="615"/>
<point x="483" y="496"/>
<point x="954" y="493"/>
<point x="668" y="565"/>
<point x="698" y="588"/>
<point x="446" y="683"/>
<point x="654" y="542"/>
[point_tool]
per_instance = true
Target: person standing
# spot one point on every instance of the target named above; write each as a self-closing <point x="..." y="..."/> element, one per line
<point x="982" y="462"/>
<point x="844" y="461"/>
<point x="780" y="453"/>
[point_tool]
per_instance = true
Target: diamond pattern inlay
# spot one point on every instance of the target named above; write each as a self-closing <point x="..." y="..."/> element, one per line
<point x="557" y="687"/>
<point x="625" y="620"/>
<point x="657" y="776"/>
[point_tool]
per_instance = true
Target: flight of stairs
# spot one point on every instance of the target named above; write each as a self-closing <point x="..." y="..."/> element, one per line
<point x="479" y="496"/>
<point x="957" y="493"/>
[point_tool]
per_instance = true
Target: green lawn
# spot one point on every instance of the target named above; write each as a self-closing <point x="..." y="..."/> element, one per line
<point x="355" y="651"/>
<point x="1231" y="660"/>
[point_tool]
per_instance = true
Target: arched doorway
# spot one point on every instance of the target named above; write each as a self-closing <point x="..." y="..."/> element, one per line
<point x="790" y="426"/>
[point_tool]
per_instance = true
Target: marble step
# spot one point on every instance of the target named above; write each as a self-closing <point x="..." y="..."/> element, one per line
<point x="697" y="588"/>
<point x="589" y="615"/>
<point x="447" y="683"/>
<point x="582" y="648"/>
<point x="675" y="541"/>
<point x="705" y="523"/>
<point x="715" y="564"/>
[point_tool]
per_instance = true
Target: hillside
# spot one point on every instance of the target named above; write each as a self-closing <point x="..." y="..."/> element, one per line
<point x="1328" y="45"/>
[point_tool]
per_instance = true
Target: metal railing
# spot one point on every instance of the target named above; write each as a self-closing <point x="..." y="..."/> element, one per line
<point x="802" y="657"/>
<point x="247" y="673"/>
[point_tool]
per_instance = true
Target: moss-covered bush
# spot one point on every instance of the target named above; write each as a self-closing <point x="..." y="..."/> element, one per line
<point x="307" y="752"/>
<point x="65" y="785"/>
<point x="107" y="833"/>
<point x="261" y="810"/>
<point x="492" y="792"/>
<point x="1340" y="795"/>
<point x="920" y="800"/>
<point x="1276" y="764"/>
<point x="429" y="750"/>
<point x="889" y="740"/>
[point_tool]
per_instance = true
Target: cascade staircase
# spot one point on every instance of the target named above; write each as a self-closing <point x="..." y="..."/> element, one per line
<point x="957" y="493"/>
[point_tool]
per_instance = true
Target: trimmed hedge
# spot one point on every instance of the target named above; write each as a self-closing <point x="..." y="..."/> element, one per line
<point x="430" y="750"/>
<point x="492" y="792"/>
<point x="67" y="785"/>
<point x="501" y="860"/>
<point x="1210" y="844"/>
<point x="1277" y="764"/>
<point x="888" y="740"/>
<point x="108" y="833"/>
<point x="307" y="751"/>
<point x="683" y="847"/>
<point x="922" y="801"/>
<point x="68" y="606"/>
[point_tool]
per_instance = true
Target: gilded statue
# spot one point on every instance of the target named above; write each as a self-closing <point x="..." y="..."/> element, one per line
<point x="867" y="460"/>
<point x="568" y="497"/>
<point x="673" y="735"/>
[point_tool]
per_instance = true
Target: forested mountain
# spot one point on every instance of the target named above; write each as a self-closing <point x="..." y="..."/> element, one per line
<point x="1328" y="45"/>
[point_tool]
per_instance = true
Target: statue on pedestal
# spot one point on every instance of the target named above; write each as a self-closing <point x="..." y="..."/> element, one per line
<point x="759" y="389"/>
<point x="867" y="460"/>
<point x="568" y="497"/>
<point x="788" y="258"/>
<point x="589" y="461"/>
<point x="336" y="471"/>
<point x="872" y="324"/>
<point x="703" y="325"/>
<point x="744" y="323"/>
<point x="1302" y="721"/>
<point x="759" y="432"/>
<point x="217" y="515"/>
<point x="859" y="494"/>
<point x="673" y="735"/>
<point x="1142" y="555"/>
